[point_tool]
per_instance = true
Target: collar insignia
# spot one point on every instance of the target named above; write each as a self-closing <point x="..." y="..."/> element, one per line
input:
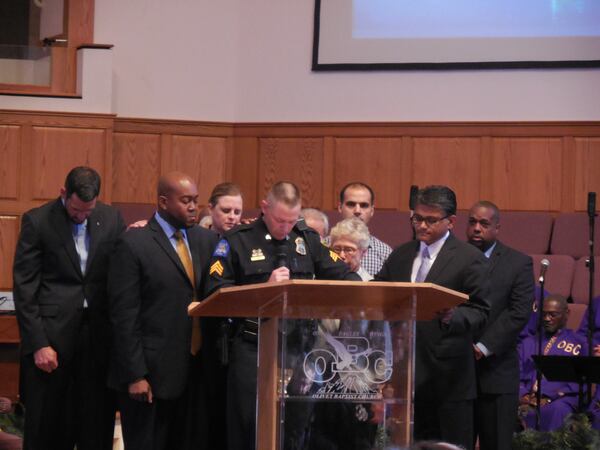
<point x="257" y="255"/>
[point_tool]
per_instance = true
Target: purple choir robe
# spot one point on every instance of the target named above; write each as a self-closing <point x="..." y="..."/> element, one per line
<point x="562" y="395"/>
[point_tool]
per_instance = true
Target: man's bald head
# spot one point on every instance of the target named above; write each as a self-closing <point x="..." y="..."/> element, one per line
<point x="178" y="199"/>
<point x="171" y="181"/>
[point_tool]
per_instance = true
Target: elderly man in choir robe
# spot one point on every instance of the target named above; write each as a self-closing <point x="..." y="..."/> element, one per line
<point x="559" y="399"/>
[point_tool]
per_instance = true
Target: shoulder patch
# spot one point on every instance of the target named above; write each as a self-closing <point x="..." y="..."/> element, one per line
<point x="217" y="268"/>
<point x="334" y="255"/>
<point x="222" y="248"/>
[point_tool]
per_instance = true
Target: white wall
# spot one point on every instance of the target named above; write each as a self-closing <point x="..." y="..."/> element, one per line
<point x="249" y="61"/>
<point x="276" y="83"/>
<point x="172" y="59"/>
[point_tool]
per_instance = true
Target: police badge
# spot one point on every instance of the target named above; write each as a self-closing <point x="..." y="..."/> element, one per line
<point x="300" y="246"/>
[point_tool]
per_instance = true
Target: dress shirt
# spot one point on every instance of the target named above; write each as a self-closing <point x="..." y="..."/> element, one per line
<point x="433" y="249"/>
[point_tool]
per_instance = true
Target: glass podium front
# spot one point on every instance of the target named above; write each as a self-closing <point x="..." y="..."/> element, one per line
<point x="341" y="375"/>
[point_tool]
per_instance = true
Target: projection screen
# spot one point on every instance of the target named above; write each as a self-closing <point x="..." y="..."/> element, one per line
<point x="455" y="34"/>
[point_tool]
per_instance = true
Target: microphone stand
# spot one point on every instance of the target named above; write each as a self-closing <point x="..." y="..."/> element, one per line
<point x="538" y="394"/>
<point x="591" y="268"/>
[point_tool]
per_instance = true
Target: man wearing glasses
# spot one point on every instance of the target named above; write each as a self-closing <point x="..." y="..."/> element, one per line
<point x="445" y="383"/>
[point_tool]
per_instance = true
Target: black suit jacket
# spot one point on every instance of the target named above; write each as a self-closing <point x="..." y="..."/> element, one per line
<point x="445" y="365"/>
<point x="49" y="288"/>
<point x="512" y="293"/>
<point x="149" y="295"/>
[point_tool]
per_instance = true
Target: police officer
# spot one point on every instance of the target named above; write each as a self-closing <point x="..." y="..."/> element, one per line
<point x="275" y="247"/>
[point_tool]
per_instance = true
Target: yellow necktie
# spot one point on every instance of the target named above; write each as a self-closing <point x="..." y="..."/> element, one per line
<point x="186" y="260"/>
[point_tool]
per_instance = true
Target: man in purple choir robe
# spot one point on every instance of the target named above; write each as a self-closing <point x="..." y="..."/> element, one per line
<point x="594" y="407"/>
<point x="559" y="399"/>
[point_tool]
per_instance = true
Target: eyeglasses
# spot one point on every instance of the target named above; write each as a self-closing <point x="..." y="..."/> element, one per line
<point x="429" y="221"/>
<point x="347" y="250"/>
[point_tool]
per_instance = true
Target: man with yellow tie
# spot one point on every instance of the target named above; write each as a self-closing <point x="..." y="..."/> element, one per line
<point x="156" y="271"/>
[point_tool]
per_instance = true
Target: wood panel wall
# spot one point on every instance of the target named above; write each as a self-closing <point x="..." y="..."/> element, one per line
<point x="520" y="166"/>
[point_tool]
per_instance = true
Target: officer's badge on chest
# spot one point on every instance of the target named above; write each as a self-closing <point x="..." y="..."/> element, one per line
<point x="257" y="255"/>
<point x="300" y="246"/>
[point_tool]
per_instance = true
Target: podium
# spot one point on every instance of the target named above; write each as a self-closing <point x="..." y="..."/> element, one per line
<point x="335" y="358"/>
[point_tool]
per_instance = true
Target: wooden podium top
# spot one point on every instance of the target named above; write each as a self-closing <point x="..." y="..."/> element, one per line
<point x="313" y="299"/>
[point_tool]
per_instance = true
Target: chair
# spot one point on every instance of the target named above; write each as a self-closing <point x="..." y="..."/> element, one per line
<point x="559" y="276"/>
<point x="581" y="277"/>
<point x="576" y="312"/>
<point x="571" y="235"/>
<point x="132" y="212"/>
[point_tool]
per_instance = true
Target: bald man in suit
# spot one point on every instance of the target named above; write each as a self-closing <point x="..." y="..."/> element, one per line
<point x="155" y="273"/>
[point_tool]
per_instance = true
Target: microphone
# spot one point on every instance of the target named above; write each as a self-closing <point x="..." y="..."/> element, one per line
<point x="412" y="198"/>
<point x="545" y="264"/>
<point x="281" y="257"/>
<point x="591" y="204"/>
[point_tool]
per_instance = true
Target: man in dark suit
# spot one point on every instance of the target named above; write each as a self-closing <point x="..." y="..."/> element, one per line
<point x="155" y="273"/>
<point x="511" y="295"/>
<point x="60" y="294"/>
<point x="445" y="384"/>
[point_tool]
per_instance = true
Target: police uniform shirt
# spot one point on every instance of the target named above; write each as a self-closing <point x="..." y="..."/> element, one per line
<point x="248" y="254"/>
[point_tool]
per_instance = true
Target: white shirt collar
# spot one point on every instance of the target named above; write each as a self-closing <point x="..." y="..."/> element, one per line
<point x="434" y="248"/>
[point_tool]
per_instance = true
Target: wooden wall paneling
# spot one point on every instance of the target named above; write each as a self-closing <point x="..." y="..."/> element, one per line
<point x="299" y="160"/>
<point x="587" y="170"/>
<point x="374" y="161"/>
<point x="229" y="155"/>
<point x="454" y="162"/>
<point x="107" y="182"/>
<point x="9" y="232"/>
<point x="25" y="163"/>
<point x="245" y="169"/>
<point x="486" y="170"/>
<point x="10" y="148"/>
<point x="203" y="158"/>
<point x="57" y="150"/>
<point x="329" y="196"/>
<point x="405" y="176"/>
<point x="135" y="168"/>
<point x="567" y="203"/>
<point x="527" y="173"/>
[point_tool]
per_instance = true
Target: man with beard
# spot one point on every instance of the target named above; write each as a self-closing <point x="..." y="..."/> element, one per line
<point x="60" y="272"/>
<point x="155" y="273"/>
<point x="495" y="349"/>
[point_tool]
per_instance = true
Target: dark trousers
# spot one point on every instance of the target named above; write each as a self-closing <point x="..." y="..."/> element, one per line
<point x="449" y="421"/>
<point x="495" y="420"/>
<point x="159" y="425"/>
<point x="69" y="406"/>
<point x="241" y="396"/>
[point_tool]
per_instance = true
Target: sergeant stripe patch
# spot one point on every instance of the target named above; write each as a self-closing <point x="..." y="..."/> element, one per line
<point x="217" y="267"/>
<point x="334" y="255"/>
